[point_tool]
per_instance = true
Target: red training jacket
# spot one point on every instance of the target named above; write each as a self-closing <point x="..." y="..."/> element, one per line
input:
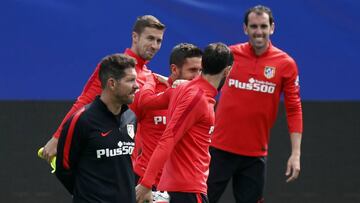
<point x="250" y="98"/>
<point x="153" y="123"/>
<point x="183" y="150"/>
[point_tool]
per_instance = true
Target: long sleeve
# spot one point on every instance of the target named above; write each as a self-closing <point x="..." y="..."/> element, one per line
<point x="69" y="146"/>
<point x="183" y="114"/>
<point x="292" y="99"/>
<point x="90" y="91"/>
<point x="149" y="100"/>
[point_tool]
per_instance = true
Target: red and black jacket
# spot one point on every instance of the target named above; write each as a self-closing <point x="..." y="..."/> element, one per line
<point x="94" y="149"/>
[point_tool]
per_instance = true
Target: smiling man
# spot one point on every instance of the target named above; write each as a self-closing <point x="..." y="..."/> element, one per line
<point x="147" y="38"/>
<point x="247" y="110"/>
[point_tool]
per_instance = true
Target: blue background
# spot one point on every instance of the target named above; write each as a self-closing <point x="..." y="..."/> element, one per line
<point x="49" y="48"/>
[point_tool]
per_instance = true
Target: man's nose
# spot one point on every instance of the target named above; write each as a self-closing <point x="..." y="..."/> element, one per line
<point x="258" y="30"/>
<point x="155" y="45"/>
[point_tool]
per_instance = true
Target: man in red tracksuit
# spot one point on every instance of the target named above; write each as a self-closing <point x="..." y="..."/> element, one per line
<point x="247" y="110"/>
<point x="182" y="151"/>
<point x="147" y="37"/>
<point x="185" y="63"/>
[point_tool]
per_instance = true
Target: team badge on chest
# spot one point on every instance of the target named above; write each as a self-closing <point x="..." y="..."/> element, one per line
<point x="269" y="72"/>
<point x="130" y="130"/>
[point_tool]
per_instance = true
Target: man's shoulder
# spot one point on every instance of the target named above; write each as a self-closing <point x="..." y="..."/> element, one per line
<point x="282" y="53"/>
<point x="238" y="47"/>
<point x="128" y="116"/>
<point x="191" y="92"/>
<point x="79" y="118"/>
<point x="91" y="111"/>
<point x="85" y="113"/>
<point x="241" y="49"/>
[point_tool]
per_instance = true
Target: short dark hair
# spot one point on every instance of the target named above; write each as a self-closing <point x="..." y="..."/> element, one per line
<point x="113" y="66"/>
<point x="183" y="51"/>
<point x="216" y="57"/>
<point x="259" y="9"/>
<point x="147" y="21"/>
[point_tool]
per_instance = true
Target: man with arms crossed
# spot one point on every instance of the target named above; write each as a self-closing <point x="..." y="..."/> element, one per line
<point x="247" y="110"/>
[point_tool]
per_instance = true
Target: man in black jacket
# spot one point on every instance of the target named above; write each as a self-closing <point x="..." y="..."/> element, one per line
<point x="95" y="145"/>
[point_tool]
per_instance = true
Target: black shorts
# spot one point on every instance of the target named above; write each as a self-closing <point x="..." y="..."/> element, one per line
<point x="247" y="174"/>
<point x="185" y="197"/>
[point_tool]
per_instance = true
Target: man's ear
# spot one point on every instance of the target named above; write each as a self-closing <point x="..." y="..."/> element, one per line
<point x="111" y="83"/>
<point x="134" y="37"/>
<point x="245" y="29"/>
<point x="174" y="70"/>
<point x="227" y="71"/>
<point x="272" y="28"/>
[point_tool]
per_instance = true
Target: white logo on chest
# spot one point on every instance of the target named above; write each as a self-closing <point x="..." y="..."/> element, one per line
<point x="211" y="129"/>
<point x="160" y="120"/>
<point x="253" y="85"/>
<point x="125" y="148"/>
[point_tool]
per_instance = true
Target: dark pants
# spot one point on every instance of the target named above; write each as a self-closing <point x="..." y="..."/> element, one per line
<point x="247" y="173"/>
<point x="184" y="197"/>
<point x="137" y="179"/>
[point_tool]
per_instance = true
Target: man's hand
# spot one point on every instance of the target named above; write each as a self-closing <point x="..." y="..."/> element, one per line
<point x="293" y="168"/>
<point x="178" y="82"/>
<point x="143" y="194"/>
<point x="50" y="149"/>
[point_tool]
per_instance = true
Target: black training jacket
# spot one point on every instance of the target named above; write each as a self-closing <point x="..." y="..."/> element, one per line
<point x="93" y="155"/>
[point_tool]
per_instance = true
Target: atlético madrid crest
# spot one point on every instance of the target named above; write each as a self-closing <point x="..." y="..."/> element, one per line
<point x="130" y="130"/>
<point x="269" y="72"/>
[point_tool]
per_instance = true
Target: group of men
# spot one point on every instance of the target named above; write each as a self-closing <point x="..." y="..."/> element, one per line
<point x="132" y="131"/>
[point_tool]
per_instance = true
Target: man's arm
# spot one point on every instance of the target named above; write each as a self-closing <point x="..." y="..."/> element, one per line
<point x="293" y="164"/>
<point x="162" y="79"/>
<point x="50" y="149"/>
<point x="294" y="119"/>
<point x="90" y="91"/>
<point x="186" y="113"/>
<point x="69" y="151"/>
<point x="149" y="100"/>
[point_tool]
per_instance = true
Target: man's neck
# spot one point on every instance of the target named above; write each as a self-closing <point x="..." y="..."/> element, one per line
<point x="137" y="56"/>
<point x="111" y="104"/>
<point x="214" y="80"/>
<point x="173" y="77"/>
<point x="134" y="50"/>
<point x="259" y="52"/>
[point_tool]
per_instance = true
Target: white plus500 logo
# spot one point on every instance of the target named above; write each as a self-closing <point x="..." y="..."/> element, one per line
<point x="160" y="120"/>
<point x="125" y="148"/>
<point x="254" y="85"/>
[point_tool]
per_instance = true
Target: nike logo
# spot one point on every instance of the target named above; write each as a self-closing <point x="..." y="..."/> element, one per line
<point x="104" y="134"/>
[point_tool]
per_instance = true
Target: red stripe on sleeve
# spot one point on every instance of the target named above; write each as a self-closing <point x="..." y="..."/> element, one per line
<point x="69" y="138"/>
